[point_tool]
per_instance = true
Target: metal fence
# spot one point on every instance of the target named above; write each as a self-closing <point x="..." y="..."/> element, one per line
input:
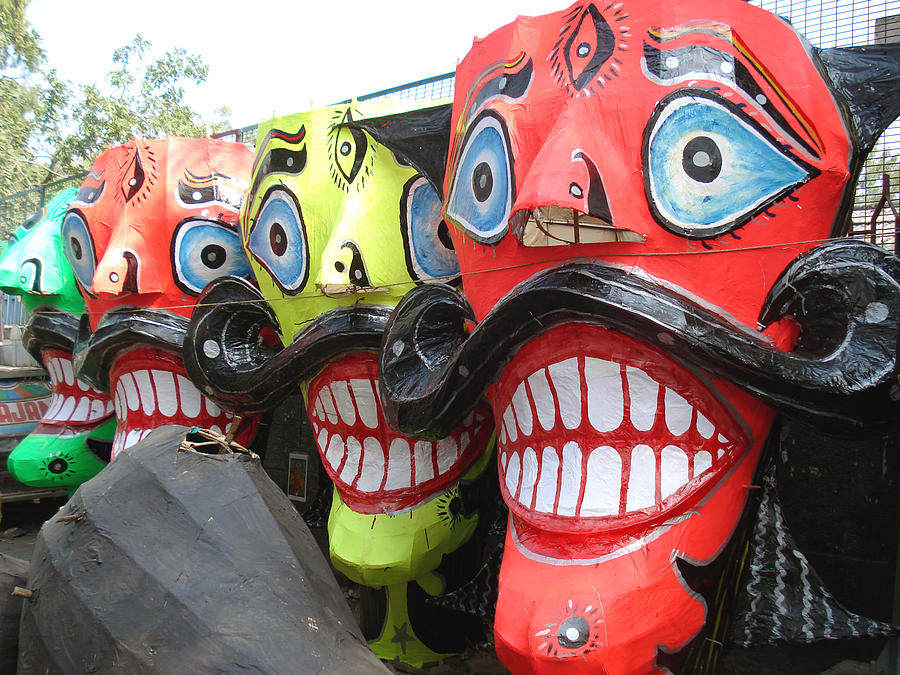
<point x="825" y="23"/>
<point x="846" y="23"/>
<point x="15" y="208"/>
<point x="431" y="88"/>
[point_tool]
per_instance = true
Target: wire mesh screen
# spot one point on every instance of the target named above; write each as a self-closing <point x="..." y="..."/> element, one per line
<point x="430" y="89"/>
<point x="846" y="23"/>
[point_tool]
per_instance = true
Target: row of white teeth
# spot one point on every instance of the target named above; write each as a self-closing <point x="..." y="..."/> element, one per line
<point x="336" y="400"/>
<point x="554" y="486"/>
<point x="61" y="370"/>
<point x="604" y="385"/>
<point x="125" y="438"/>
<point x="407" y="463"/>
<point x="64" y="408"/>
<point x="170" y="393"/>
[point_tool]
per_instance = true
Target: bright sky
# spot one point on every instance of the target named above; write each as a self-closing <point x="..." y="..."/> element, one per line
<point x="274" y="57"/>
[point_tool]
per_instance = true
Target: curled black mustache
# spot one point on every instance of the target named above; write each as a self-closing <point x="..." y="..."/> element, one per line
<point x="49" y="328"/>
<point x="226" y="357"/>
<point x="119" y="329"/>
<point x="842" y="374"/>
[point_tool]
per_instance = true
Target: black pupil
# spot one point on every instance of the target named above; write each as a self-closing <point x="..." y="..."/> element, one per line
<point x="583" y="49"/>
<point x="482" y="181"/>
<point x="574" y="632"/>
<point x="76" y="248"/>
<point x="213" y="256"/>
<point x="345" y="148"/>
<point x="278" y="239"/>
<point x="444" y="235"/>
<point x="57" y="466"/>
<point x="455" y="506"/>
<point x="702" y="159"/>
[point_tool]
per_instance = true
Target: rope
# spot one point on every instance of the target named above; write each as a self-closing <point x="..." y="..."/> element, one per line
<point x="355" y="289"/>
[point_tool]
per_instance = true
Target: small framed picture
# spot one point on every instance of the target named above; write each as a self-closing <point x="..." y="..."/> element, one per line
<point x="298" y="463"/>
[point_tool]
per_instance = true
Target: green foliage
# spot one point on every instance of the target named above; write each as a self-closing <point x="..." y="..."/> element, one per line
<point x="18" y="43"/>
<point x="31" y="100"/>
<point x="145" y="100"/>
<point x="49" y="128"/>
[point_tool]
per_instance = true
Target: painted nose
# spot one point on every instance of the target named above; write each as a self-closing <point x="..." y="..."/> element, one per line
<point x="344" y="271"/>
<point x="30" y="276"/>
<point x="116" y="274"/>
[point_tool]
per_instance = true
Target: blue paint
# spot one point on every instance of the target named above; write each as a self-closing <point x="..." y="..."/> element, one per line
<point x="753" y="172"/>
<point x="430" y="255"/>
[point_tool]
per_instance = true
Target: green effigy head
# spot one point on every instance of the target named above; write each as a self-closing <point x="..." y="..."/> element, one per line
<point x="34" y="266"/>
<point x="343" y="218"/>
<point x="71" y="443"/>
<point x="335" y="218"/>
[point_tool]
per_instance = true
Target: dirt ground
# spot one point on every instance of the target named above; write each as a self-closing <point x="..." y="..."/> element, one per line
<point x="20" y="523"/>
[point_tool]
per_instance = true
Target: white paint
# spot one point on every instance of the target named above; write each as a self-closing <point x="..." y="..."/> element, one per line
<point x="570" y="479"/>
<point x="424" y="453"/>
<point x="399" y="471"/>
<point x="678" y="413"/>
<point x="567" y="384"/>
<point x="543" y="399"/>
<point x="641" y="479"/>
<point x="366" y="404"/>
<point x="605" y="404"/>
<point x="604" y="483"/>
<point x="529" y="476"/>
<point x="371" y="474"/>
<point x="341" y="392"/>
<point x="545" y="496"/>
<point x="522" y="408"/>
<point x="673" y="470"/>
<point x="166" y="398"/>
<point x="643" y="392"/>
<point x="188" y="397"/>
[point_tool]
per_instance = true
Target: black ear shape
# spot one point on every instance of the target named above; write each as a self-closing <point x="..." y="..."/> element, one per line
<point x="420" y="137"/>
<point x="867" y="81"/>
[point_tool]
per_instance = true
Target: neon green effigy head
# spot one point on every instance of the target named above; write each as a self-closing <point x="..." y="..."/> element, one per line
<point x="342" y="211"/>
<point x="71" y="443"/>
<point x="335" y="218"/>
<point x="34" y="266"/>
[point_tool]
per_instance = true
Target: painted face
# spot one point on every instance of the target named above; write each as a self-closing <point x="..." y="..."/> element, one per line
<point x="335" y="219"/>
<point x="668" y="143"/>
<point x="72" y="441"/>
<point x="338" y="227"/>
<point x="34" y="266"/>
<point x="152" y="224"/>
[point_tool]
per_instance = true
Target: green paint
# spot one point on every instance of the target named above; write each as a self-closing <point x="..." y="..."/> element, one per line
<point x="60" y="459"/>
<point x="34" y="265"/>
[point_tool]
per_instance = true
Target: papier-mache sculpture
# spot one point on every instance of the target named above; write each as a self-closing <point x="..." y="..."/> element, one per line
<point x="643" y="198"/>
<point x="73" y="439"/>
<point x="153" y="222"/>
<point x="342" y="218"/>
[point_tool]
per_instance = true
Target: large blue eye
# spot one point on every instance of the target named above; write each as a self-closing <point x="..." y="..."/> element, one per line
<point x="204" y="250"/>
<point x="709" y="168"/>
<point x="427" y="243"/>
<point x="481" y="196"/>
<point x="278" y="240"/>
<point x="79" y="248"/>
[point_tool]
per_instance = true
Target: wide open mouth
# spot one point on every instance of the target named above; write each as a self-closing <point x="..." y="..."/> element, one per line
<point x="559" y="226"/>
<point x="601" y="434"/>
<point x="150" y="389"/>
<point x="375" y="469"/>
<point x="73" y="402"/>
